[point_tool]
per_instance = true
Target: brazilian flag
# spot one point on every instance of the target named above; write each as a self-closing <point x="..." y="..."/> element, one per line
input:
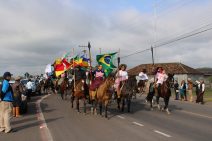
<point x="106" y="60"/>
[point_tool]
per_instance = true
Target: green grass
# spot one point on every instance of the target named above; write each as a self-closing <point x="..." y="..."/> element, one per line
<point x="208" y="92"/>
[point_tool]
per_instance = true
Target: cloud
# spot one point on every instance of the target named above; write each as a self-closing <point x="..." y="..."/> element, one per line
<point x="35" y="32"/>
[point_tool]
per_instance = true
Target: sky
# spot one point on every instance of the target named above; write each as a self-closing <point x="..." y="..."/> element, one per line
<point x="33" y="33"/>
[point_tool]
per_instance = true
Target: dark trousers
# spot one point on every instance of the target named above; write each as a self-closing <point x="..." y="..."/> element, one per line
<point x="177" y="95"/>
<point x="29" y="93"/>
<point x="200" y="98"/>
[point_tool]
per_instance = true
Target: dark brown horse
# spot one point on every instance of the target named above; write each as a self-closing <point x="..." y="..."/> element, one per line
<point x="102" y="95"/>
<point x="79" y="92"/>
<point x="127" y="91"/>
<point x="165" y="93"/>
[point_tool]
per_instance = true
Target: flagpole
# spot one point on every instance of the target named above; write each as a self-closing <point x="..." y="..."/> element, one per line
<point x="74" y="70"/>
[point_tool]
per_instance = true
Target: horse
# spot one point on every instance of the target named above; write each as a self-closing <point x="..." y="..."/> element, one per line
<point x="64" y="88"/>
<point x="127" y="90"/>
<point x="102" y="95"/>
<point x="79" y="92"/>
<point x="165" y="93"/>
<point x="142" y="87"/>
<point x="47" y="86"/>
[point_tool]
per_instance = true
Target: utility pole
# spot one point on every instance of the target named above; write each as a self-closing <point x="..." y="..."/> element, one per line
<point x="100" y="50"/>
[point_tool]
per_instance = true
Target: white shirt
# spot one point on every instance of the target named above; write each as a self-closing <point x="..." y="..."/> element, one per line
<point x="122" y="75"/>
<point x="143" y="76"/>
<point x="29" y="85"/>
<point x="161" y="78"/>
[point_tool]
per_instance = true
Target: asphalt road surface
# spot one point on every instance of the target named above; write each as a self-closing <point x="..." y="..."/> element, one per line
<point x="56" y="120"/>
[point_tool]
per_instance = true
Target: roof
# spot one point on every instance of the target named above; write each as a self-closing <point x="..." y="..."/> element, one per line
<point x="206" y="71"/>
<point x="175" y="68"/>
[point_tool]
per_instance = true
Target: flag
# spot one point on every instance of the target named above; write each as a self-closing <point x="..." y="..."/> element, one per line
<point x="106" y="60"/>
<point x="61" y="66"/>
<point x="85" y="61"/>
<point x="81" y="61"/>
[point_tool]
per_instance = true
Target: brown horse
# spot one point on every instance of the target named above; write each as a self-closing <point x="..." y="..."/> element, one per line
<point x="165" y="93"/>
<point x="79" y="92"/>
<point x="126" y="93"/>
<point x="64" y="88"/>
<point x="102" y="95"/>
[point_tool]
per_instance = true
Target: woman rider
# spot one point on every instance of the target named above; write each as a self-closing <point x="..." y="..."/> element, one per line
<point x="99" y="76"/>
<point x="121" y="76"/>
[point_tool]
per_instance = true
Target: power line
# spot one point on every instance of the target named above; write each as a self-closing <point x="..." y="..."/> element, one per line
<point x="172" y="41"/>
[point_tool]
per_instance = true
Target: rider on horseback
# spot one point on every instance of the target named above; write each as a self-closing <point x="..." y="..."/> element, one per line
<point x="99" y="76"/>
<point x="161" y="76"/>
<point x="121" y="77"/>
<point x="142" y="79"/>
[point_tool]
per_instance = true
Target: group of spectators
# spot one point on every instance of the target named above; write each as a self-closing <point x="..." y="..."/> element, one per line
<point x="184" y="90"/>
<point x="13" y="101"/>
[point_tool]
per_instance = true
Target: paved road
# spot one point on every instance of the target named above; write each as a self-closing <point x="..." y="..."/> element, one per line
<point x="188" y="122"/>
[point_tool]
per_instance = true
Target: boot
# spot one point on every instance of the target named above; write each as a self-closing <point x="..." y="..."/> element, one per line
<point x="14" y="111"/>
<point x="18" y="112"/>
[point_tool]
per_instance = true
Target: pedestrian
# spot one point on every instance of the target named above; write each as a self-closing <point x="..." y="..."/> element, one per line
<point x="190" y="89"/>
<point x="201" y="92"/>
<point x="197" y="87"/>
<point x="176" y="89"/>
<point x="18" y="90"/>
<point x="6" y="104"/>
<point x="29" y="86"/>
<point x="183" y="90"/>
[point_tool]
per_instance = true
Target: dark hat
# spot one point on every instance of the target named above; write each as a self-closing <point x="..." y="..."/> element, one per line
<point x="6" y="74"/>
<point x="123" y="65"/>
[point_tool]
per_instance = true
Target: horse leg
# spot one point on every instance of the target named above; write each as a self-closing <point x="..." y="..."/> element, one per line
<point x="84" y="104"/>
<point x="166" y="100"/>
<point x="123" y="104"/>
<point x="62" y="95"/>
<point x="128" y="104"/>
<point x="118" y="102"/>
<point x="100" y="108"/>
<point x="72" y="101"/>
<point x="157" y="100"/>
<point x="78" y="105"/>
<point x="106" y="108"/>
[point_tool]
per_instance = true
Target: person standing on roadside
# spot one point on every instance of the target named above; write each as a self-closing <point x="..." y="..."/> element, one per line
<point x="190" y="90"/>
<point x="201" y="92"/>
<point x="6" y="104"/>
<point x="18" y="90"/>
<point x="29" y="86"/>
<point x="176" y="90"/>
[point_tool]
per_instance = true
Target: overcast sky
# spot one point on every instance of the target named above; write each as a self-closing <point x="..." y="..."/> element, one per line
<point x="35" y="32"/>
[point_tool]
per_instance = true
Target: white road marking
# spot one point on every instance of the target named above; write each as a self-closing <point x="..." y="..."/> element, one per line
<point x="121" y="117"/>
<point x="161" y="133"/>
<point x="139" y="124"/>
<point x="45" y="133"/>
<point x="187" y="112"/>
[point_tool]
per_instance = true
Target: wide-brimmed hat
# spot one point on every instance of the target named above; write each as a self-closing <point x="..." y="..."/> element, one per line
<point x="17" y="78"/>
